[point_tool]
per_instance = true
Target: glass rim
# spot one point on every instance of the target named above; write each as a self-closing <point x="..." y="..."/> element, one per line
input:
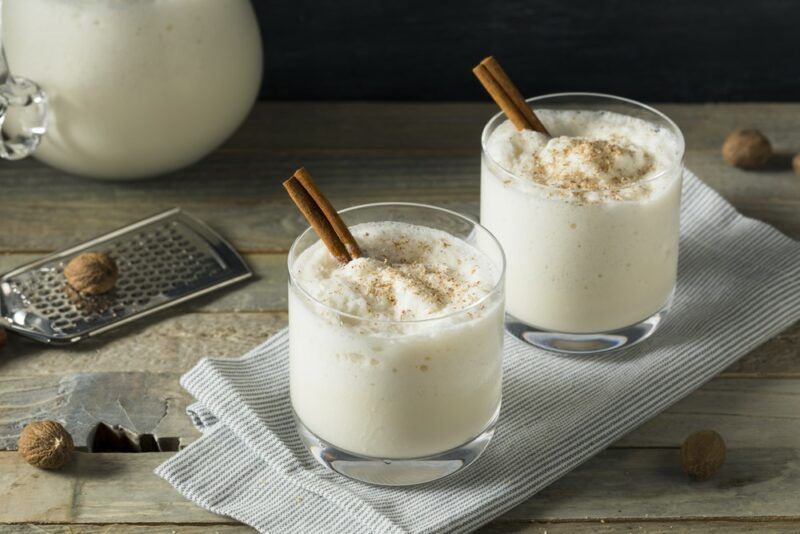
<point x="497" y="287"/>
<point x="676" y="130"/>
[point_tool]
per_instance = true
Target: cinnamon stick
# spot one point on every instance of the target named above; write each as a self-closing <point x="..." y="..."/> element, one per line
<point x="322" y="217"/>
<point x="505" y="93"/>
<point x="331" y="214"/>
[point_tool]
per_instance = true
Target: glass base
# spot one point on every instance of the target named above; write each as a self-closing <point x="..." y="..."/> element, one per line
<point x="585" y="343"/>
<point x="405" y="472"/>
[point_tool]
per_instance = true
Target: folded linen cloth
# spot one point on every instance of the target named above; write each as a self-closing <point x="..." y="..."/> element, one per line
<point x="739" y="284"/>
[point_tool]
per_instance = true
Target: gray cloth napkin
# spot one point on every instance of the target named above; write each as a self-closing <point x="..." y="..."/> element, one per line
<point x="739" y="284"/>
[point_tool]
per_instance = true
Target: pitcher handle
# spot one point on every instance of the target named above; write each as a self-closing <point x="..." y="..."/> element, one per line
<point x="23" y="110"/>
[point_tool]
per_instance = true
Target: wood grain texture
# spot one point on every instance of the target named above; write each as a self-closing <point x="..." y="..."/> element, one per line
<point x="151" y="403"/>
<point x="433" y="158"/>
<point x="650" y="527"/>
<point x="168" y="342"/>
<point x="748" y="413"/>
<point x="94" y="488"/>
<point x="496" y="527"/>
<point x="112" y="528"/>
<point x="754" y="413"/>
<point x="625" y="484"/>
<point x="174" y="340"/>
<point x="121" y="488"/>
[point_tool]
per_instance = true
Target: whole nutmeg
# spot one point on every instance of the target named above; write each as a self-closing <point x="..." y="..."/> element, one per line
<point x="702" y="454"/>
<point x="796" y="164"/>
<point x="747" y="148"/>
<point x="92" y="273"/>
<point x="45" y="444"/>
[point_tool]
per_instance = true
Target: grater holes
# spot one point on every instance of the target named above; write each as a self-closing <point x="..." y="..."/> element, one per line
<point x="157" y="263"/>
<point x="61" y="323"/>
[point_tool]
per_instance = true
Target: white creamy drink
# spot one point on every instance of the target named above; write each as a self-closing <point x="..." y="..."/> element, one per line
<point x="588" y="218"/>
<point x="396" y="354"/>
<point x="135" y="87"/>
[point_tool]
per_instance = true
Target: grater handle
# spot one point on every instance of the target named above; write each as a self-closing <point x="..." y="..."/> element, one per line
<point x="27" y="325"/>
<point x="23" y="110"/>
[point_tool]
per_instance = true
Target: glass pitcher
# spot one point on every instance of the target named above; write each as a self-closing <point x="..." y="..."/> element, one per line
<point x="119" y="89"/>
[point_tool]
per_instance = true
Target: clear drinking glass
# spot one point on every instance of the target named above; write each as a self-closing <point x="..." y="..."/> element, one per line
<point x="133" y="88"/>
<point x="593" y="271"/>
<point x="397" y="402"/>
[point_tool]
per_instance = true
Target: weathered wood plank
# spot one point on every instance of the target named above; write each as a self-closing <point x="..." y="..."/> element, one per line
<point x="168" y="342"/>
<point x="760" y="413"/>
<point x="287" y="127"/>
<point x="496" y="527"/>
<point x="268" y="226"/>
<point x="257" y="217"/>
<point x="109" y="528"/>
<point x="347" y="178"/>
<point x="752" y="413"/>
<point x="431" y="159"/>
<point x="653" y="527"/>
<point x="94" y="488"/>
<point x="121" y="488"/>
<point x="624" y="484"/>
<point x="272" y="226"/>
<point x="152" y="403"/>
<point x="174" y="340"/>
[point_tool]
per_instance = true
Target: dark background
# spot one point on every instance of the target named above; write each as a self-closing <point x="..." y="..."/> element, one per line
<point x="681" y="50"/>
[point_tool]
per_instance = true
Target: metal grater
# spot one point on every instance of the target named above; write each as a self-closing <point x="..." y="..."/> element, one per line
<point x="163" y="260"/>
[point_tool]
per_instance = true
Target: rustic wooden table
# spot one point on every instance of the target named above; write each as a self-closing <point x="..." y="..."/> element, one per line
<point x="367" y="152"/>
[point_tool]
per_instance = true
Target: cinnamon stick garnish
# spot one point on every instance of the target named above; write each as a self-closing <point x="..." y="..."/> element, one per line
<point x="331" y="214"/>
<point x="322" y="217"/>
<point x="505" y="93"/>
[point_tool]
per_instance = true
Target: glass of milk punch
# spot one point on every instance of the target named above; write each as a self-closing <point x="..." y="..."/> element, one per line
<point x="588" y="218"/>
<point x="396" y="357"/>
